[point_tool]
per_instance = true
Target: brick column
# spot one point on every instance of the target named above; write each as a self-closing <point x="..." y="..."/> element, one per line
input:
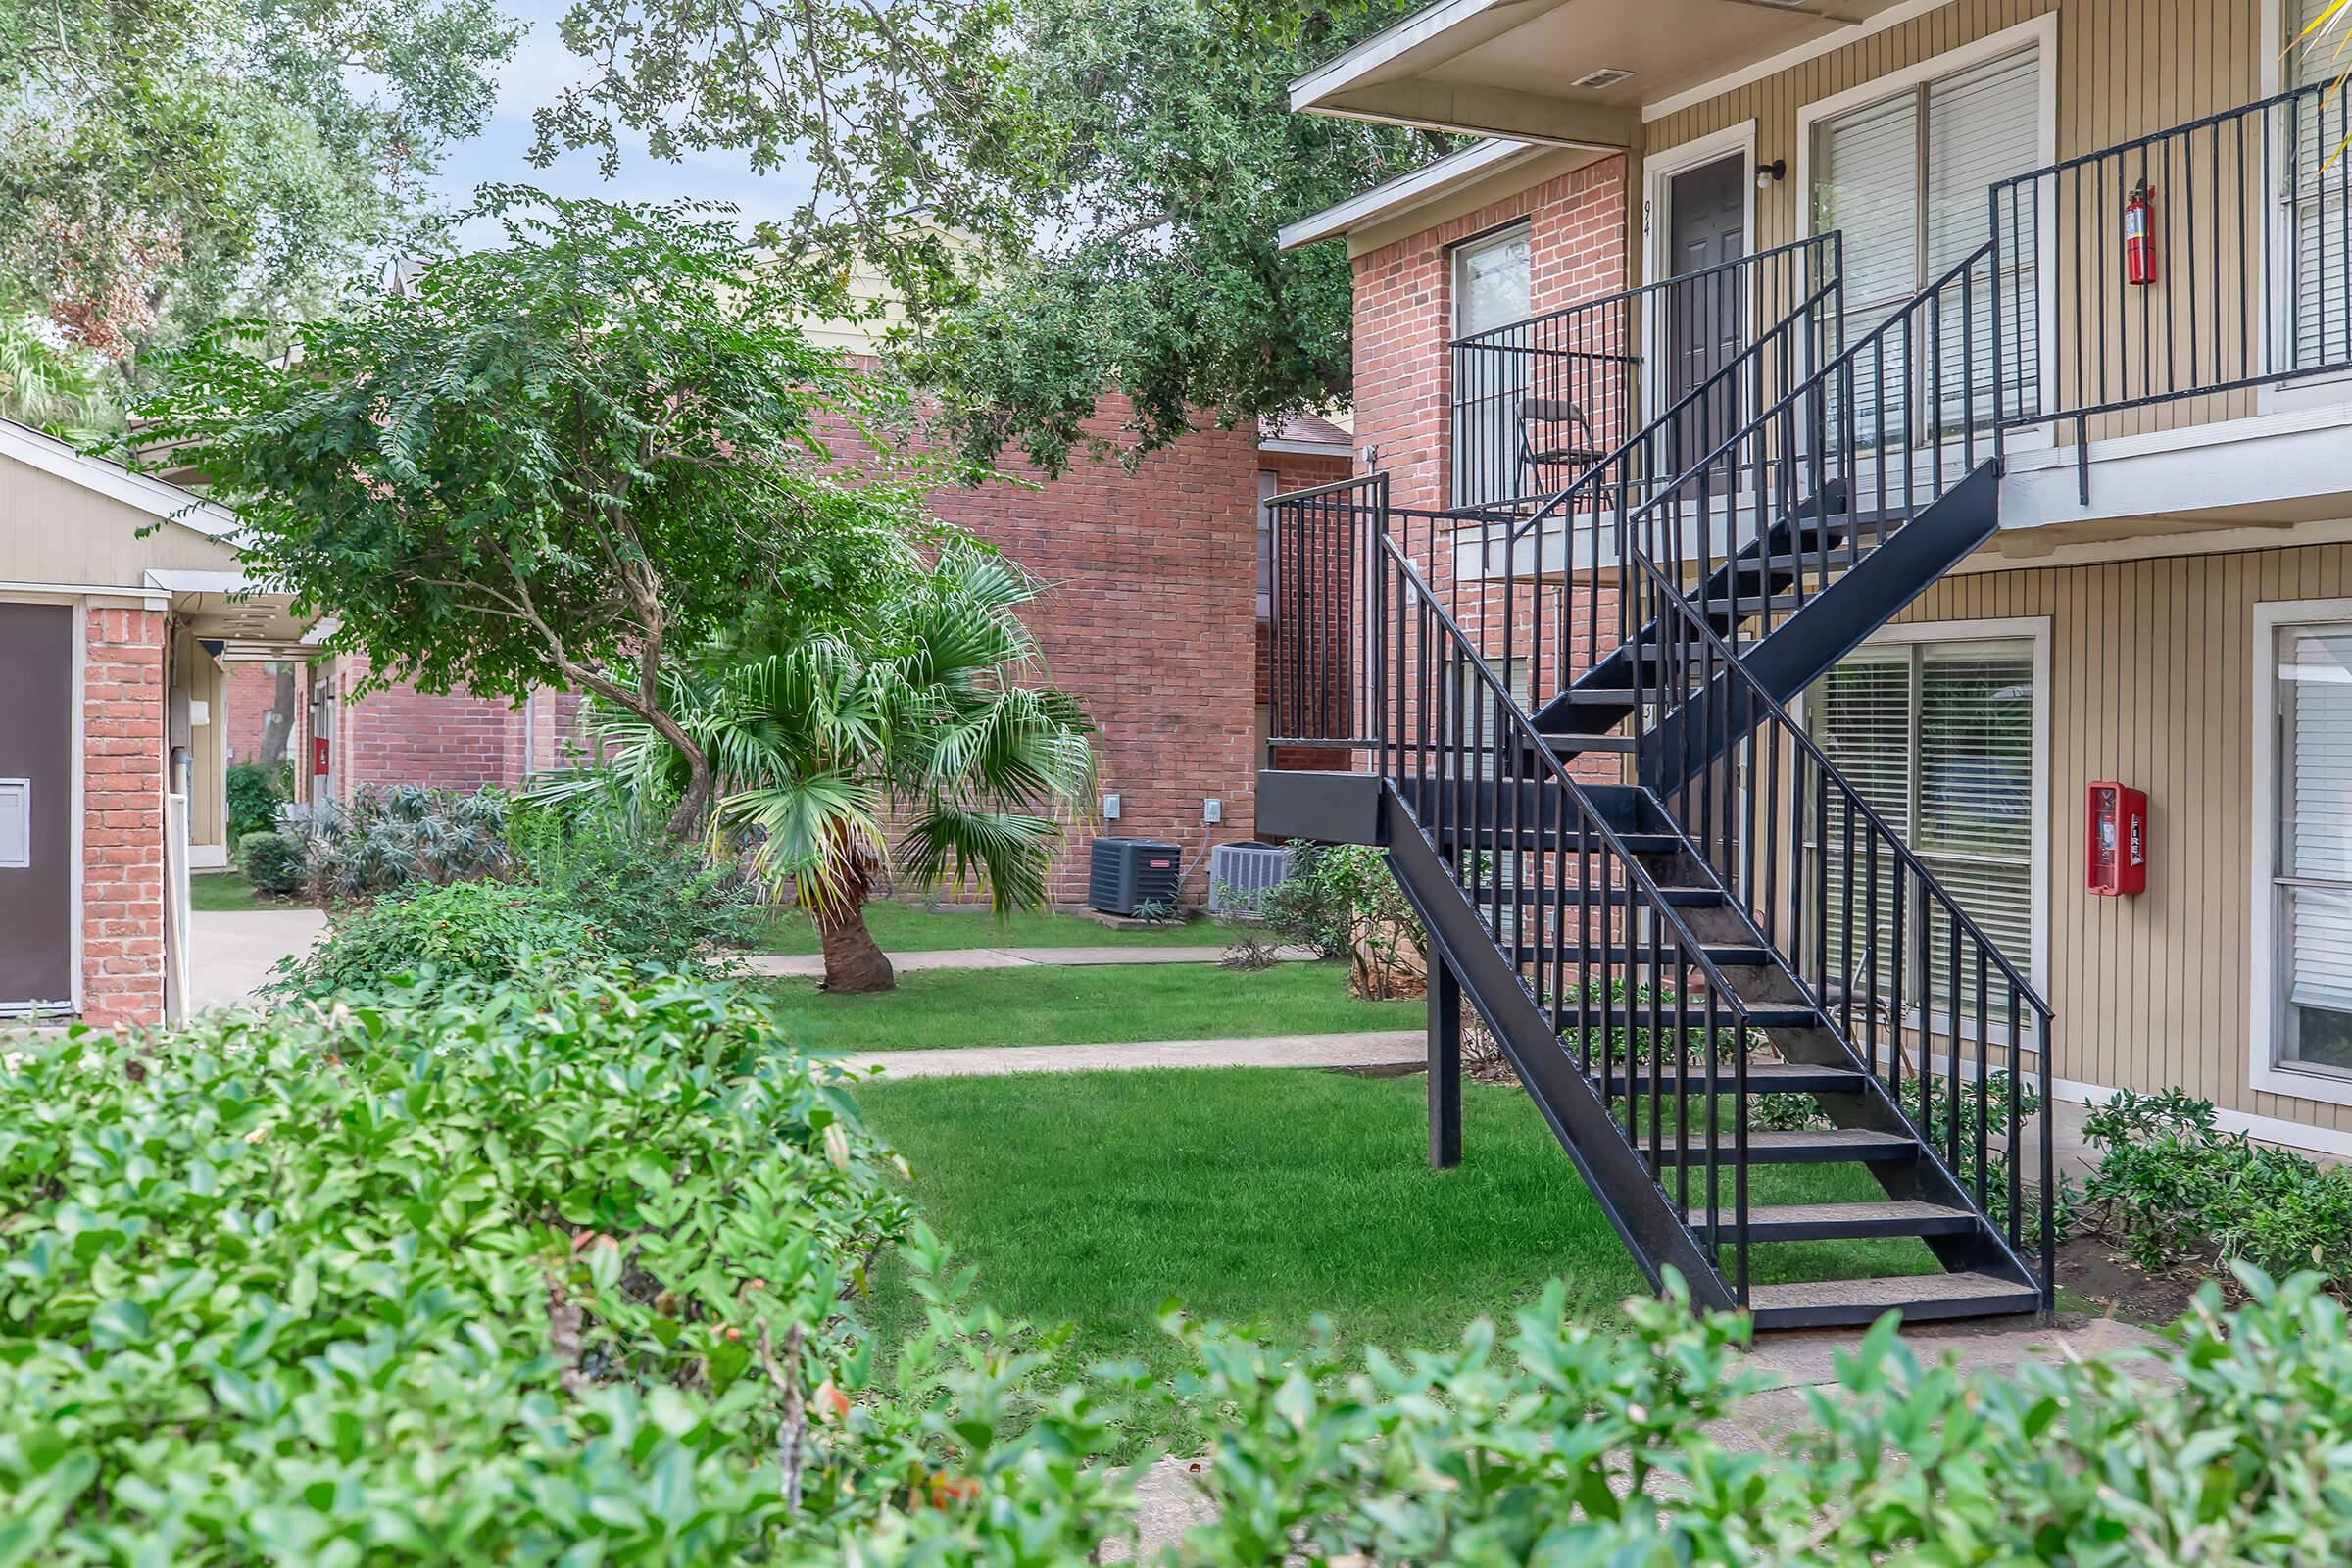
<point x="122" y="819"/>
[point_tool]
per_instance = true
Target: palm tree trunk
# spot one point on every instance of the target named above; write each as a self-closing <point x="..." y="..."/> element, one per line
<point x="854" y="960"/>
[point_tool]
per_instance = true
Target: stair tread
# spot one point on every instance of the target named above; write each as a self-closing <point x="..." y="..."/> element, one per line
<point x="1731" y="956"/>
<point x="1897" y="1291"/>
<point x="1760" y="1014"/>
<point x="1824" y="1147"/>
<point x="1763" y="1078"/>
<point x="1906" y="1211"/>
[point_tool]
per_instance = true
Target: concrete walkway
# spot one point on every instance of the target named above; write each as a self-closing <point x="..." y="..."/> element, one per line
<point x="1380" y="1050"/>
<point x="811" y="965"/>
<point x="232" y="951"/>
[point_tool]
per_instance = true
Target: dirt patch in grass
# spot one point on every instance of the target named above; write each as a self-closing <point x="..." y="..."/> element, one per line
<point x="2093" y="1269"/>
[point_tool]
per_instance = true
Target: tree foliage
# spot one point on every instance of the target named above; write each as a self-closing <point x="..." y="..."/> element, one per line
<point x="594" y="446"/>
<point x="162" y="161"/>
<point x="900" y="116"/>
<point x="1073" y="197"/>
<point x="1171" y="162"/>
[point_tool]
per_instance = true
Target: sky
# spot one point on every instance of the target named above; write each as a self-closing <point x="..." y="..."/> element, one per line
<point x="541" y="68"/>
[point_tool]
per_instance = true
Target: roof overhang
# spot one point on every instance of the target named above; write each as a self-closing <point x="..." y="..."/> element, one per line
<point x="1401" y="195"/>
<point x="251" y="619"/>
<point x="1503" y="68"/>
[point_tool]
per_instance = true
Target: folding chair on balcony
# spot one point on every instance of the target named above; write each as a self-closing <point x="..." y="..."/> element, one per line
<point x="1556" y="443"/>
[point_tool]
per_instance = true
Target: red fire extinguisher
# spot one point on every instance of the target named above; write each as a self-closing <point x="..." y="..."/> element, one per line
<point x="2140" y="237"/>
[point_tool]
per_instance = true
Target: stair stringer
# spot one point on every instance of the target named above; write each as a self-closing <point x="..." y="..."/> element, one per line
<point x="1836" y="621"/>
<point x="1637" y="1204"/>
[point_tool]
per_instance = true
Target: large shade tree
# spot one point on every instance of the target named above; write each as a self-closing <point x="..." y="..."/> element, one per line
<point x="922" y="713"/>
<point x="1113" y="172"/>
<point x="558" y="461"/>
<point x="165" y="164"/>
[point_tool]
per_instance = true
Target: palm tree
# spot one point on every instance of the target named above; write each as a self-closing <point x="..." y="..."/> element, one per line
<point x="913" y="717"/>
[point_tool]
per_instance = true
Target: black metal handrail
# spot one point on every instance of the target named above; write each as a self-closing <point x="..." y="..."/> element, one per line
<point x="1736" y="728"/>
<point x="1591" y="358"/>
<point x="1850" y="450"/>
<point x="1470" y="767"/>
<point x="1830" y="446"/>
<point x="2244" y="276"/>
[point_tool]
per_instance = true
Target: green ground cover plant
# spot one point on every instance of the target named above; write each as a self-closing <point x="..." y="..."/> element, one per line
<point x="526" y="1276"/>
<point x="479" y="931"/>
<point x="1050" y="1005"/>
<point x="2175" y="1191"/>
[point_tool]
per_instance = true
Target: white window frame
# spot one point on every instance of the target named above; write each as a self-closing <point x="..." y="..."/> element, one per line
<point x="2043" y="33"/>
<point x="2265" y="1072"/>
<point x="2034" y="630"/>
<point x="1455" y="254"/>
<point x="2320" y="388"/>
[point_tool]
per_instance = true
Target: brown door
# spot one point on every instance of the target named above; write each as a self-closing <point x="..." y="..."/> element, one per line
<point x="36" y="807"/>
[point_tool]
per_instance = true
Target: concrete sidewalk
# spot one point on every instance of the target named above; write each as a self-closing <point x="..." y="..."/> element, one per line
<point x="232" y="951"/>
<point x="1387" y="1049"/>
<point x="811" y="965"/>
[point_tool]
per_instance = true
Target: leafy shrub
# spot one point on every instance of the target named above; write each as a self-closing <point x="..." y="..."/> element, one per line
<point x="1560" y="1444"/>
<point x="505" y="1277"/>
<point x="2173" y="1188"/>
<point x="1342" y="901"/>
<point x="385" y="839"/>
<point x="275" y="864"/>
<point x="475" y="930"/>
<point x="253" y="799"/>
<point x="649" y="900"/>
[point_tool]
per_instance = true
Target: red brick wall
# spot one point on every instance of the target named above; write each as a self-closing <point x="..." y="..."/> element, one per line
<point x="1404" y="313"/>
<point x="1577" y="232"/>
<point x="404" y="736"/>
<point x="1148" y="616"/>
<point x="122" y="819"/>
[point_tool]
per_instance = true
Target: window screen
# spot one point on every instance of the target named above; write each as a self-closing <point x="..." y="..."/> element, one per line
<point x="2312" y="874"/>
<point x="2312" y="195"/>
<point x="1938" y="739"/>
<point x="1907" y="181"/>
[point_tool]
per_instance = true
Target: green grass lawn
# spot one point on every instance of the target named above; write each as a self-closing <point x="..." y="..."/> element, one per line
<point x="1080" y="1006"/>
<point x="1262" y="1198"/>
<point x="213" y="891"/>
<point x="910" y="928"/>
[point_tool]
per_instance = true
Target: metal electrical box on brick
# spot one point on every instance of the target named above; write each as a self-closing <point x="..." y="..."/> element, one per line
<point x="1125" y="874"/>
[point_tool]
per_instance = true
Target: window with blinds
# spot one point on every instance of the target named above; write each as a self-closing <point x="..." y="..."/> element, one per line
<point x="2316" y="197"/>
<point x="2312" y="870"/>
<point x="1938" y="737"/>
<point x="1907" y="181"/>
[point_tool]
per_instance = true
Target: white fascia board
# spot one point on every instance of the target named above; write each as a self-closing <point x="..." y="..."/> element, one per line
<point x="151" y="496"/>
<point x="1384" y="47"/>
<point x="1407" y="191"/>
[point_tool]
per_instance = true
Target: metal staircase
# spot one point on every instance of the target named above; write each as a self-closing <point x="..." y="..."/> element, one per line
<point x="1704" y="954"/>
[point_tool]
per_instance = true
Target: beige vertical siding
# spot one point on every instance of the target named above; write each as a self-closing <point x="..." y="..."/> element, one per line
<point x="2126" y="69"/>
<point x="55" y="531"/>
<point x="2152" y="682"/>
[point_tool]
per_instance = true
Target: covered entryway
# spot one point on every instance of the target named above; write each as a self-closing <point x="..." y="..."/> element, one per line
<point x="38" y="852"/>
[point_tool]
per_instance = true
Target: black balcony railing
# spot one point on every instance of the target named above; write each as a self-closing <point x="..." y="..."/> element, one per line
<point x="1539" y="402"/>
<point x="2240" y="274"/>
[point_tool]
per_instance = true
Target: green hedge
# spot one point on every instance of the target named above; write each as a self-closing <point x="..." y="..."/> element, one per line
<point x="495" y="1279"/>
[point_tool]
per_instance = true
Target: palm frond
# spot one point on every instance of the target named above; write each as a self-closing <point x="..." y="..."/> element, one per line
<point x="1009" y="851"/>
